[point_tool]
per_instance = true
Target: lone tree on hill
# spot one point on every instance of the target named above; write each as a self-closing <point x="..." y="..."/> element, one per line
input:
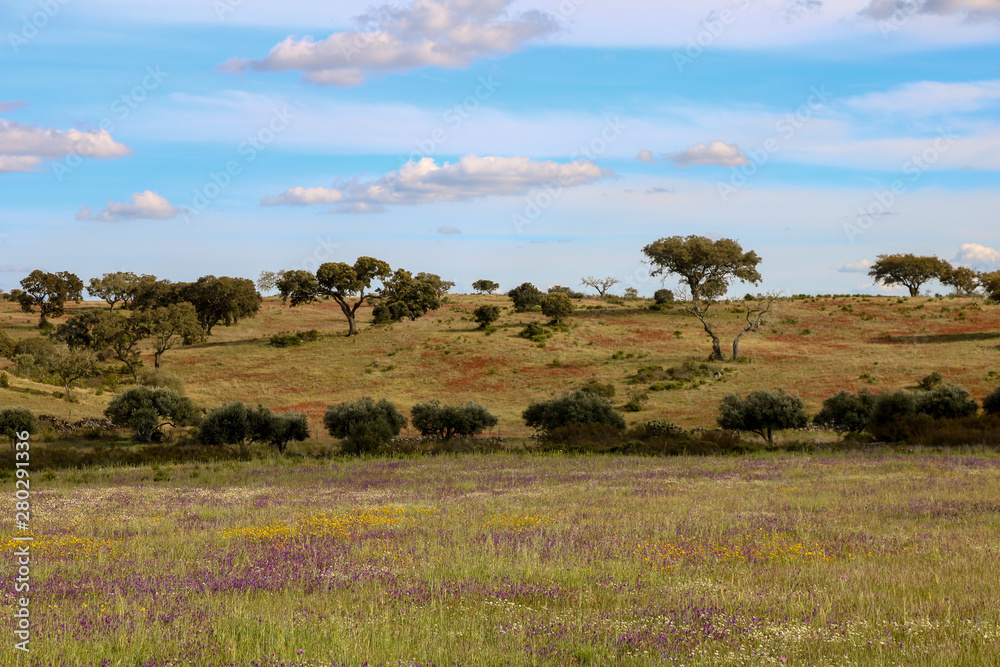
<point x="602" y="285"/>
<point x="485" y="286"/>
<point x="340" y="281"/>
<point x="49" y="291"/>
<point x="908" y="270"/>
<point x="707" y="267"/>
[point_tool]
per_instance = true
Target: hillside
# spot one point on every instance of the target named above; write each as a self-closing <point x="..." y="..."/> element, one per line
<point x="813" y="347"/>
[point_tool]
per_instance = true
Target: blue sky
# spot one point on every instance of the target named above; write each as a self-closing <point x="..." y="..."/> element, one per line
<point x="502" y="139"/>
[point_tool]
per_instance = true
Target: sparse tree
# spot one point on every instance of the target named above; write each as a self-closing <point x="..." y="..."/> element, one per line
<point x="578" y="407"/>
<point x="71" y="364"/>
<point x="602" y="285"/>
<point x="402" y="296"/>
<point x="485" y="286"/>
<point x="77" y="332"/>
<point x="118" y="287"/>
<point x="172" y="324"/>
<point x="120" y="335"/>
<point x="447" y="421"/>
<point x="342" y="282"/>
<point x="49" y="291"/>
<point x="706" y="267"/>
<point x="762" y="412"/>
<point x="241" y="425"/>
<point x="145" y="411"/>
<point x="525" y="297"/>
<point x="440" y="286"/>
<point x="364" y="425"/>
<point x="222" y="300"/>
<point x="557" y="307"/>
<point x="909" y="270"/>
<point x="990" y="283"/>
<point x="757" y="312"/>
<point x="486" y="315"/>
<point x="845" y="412"/>
<point x="15" y="420"/>
<point x="630" y="294"/>
<point x="962" y="279"/>
<point x="297" y="287"/>
<point x="268" y="280"/>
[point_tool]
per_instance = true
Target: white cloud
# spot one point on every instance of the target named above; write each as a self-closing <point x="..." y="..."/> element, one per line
<point x="427" y="33"/>
<point x="645" y="156"/>
<point x="715" y="153"/>
<point x="145" y="206"/>
<point x="24" y="147"/>
<point x="975" y="254"/>
<point x="926" y="98"/>
<point x="861" y="266"/>
<point x="472" y="177"/>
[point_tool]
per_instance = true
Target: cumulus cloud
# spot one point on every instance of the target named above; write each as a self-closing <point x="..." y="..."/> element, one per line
<point x="645" y="156"/>
<point x="715" y="153"/>
<point x="427" y="33"/>
<point x="472" y="177"/>
<point x="881" y="10"/>
<point x="975" y="254"/>
<point x="145" y="206"/>
<point x="8" y="106"/>
<point x="24" y="147"/>
<point x="861" y="266"/>
<point x="930" y="97"/>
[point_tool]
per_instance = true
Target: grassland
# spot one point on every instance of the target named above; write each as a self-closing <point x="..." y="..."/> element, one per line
<point x="834" y="559"/>
<point x="813" y="348"/>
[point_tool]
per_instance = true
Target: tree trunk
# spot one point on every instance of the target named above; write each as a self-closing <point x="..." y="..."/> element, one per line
<point x="156" y="358"/>
<point x="914" y="290"/>
<point x="716" y="348"/>
<point x="736" y="347"/>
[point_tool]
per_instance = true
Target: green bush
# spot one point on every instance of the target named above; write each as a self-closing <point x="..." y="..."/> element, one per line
<point x="486" y="315"/>
<point x="931" y="381"/>
<point x="663" y="296"/>
<point x="891" y="410"/>
<point x="991" y="404"/>
<point x="157" y="377"/>
<point x="7" y="345"/>
<point x="288" y="339"/>
<point x="447" y="421"/>
<point x="16" y="419"/>
<point x="946" y="401"/>
<point x="146" y="410"/>
<point x="535" y="332"/>
<point x="239" y="424"/>
<point x="4" y="380"/>
<point x="364" y="425"/>
<point x="602" y="389"/>
<point x="578" y="407"/>
<point x="525" y="297"/>
<point x="762" y="412"/>
<point x="557" y="307"/>
<point x="845" y="412"/>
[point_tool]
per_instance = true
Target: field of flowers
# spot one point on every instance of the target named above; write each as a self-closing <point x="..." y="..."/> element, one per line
<point x="884" y="558"/>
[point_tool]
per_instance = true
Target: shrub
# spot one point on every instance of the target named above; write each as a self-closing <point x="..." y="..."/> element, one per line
<point x="602" y="389"/>
<point x="578" y="407"/>
<point x="486" y="315"/>
<point x="663" y="296"/>
<point x="557" y="307"/>
<point x="845" y="412"/>
<point x="364" y="425"/>
<point x="446" y="421"/>
<point x="146" y="410"/>
<point x="991" y="404"/>
<point x="762" y="412"/>
<point x="535" y="332"/>
<point x="41" y="349"/>
<point x="16" y="419"/>
<point x="890" y="410"/>
<point x="157" y="377"/>
<point x="571" y="293"/>
<point x="284" y="339"/>
<point x="525" y="297"/>
<point x="946" y="401"/>
<point x="630" y="294"/>
<point x="4" y="380"/>
<point x="7" y="345"/>
<point x="931" y="381"/>
<point x="239" y="424"/>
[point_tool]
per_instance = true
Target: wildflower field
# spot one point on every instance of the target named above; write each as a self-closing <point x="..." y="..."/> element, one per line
<point x="881" y="558"/>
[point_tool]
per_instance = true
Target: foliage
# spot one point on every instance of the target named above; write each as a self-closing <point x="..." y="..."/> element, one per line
<point x="762" y="412"/>
<point x="908" y="270"/>
<point x="151" y="293"/>
<point x="77" y="332"/>
<point x="946" y="401"/>
<point x="486" y="315"/>
<point x="239" y="424"/>
<point x="534" y="332"/>
<point x="598" y="388"/>
<point x="146" y="410"/>
<point x="485" y="286"/>
<point x="49" y="291"/>
<point x="447" y="421"/>
<point x="557" y="307"/>
<point x="890" y="410"/>
<point x="845" y="412"/>
<point x="663" y="296"/>
<point x="16" y="419"/>
<point x="578" y="407"/>
<point x="602" y="285"/>
<point x="404" y="297"/>
<point x="118" y="287"/>
<point x="71" y="364"/>
<point x="962" y="279"/>
<point x="340" y="281"/>
<point x="157" y="377"/>
<point x="296" y="287"/>
<point x="990" y="282"/>
<point x="7" y="344"/>
<point x="991" y="404"/>
<point x="290" y="339"/>
<point x="571" y="293"/>
<point x="119" y="335"/>
<point x="525" y="297"/>
<point x="222" y="300"/>
<point x="931" y="381"/>
<point x="441" y="287"/>
<point x="171" y="324"/>
<point x="707" y="267"/>
<point x="364" y="425"/>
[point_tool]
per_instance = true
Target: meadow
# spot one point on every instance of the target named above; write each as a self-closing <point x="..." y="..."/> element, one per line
<point x="879" y="558"/>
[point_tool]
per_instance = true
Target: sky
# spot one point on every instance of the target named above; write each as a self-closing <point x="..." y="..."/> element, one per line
<point x="512" y="140"/>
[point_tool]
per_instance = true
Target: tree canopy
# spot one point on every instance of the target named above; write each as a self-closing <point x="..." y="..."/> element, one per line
<point x="49" y="292"/>
<point x="707" y="267"/>
<point x="909" y="270"/>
